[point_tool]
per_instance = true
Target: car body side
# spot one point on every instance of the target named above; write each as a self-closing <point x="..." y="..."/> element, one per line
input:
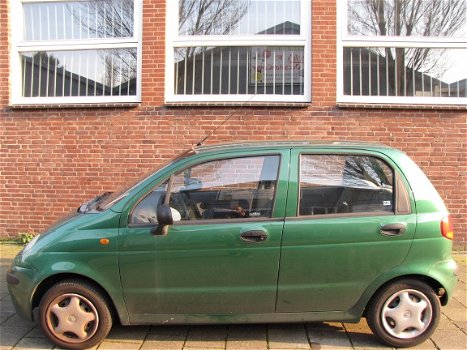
<point x="73" y="248"/>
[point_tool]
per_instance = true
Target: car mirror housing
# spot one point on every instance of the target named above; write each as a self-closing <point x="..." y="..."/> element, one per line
<point x="164" y="219"/>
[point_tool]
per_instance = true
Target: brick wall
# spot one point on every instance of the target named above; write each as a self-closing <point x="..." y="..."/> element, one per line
<point x="54" y="159"/>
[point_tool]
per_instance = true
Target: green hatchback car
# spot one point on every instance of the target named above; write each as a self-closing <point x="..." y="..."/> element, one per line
<point x="245" y="233"/>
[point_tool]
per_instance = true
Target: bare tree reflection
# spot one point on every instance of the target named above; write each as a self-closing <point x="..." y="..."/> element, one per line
<point x="209" y="17"/>
<point x="423" y="18"/>
<point x="115" y="19"/>
<point x="109" y="19"/>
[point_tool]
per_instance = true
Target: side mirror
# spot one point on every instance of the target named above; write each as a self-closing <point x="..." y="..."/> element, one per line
<point x="164" y="218"/>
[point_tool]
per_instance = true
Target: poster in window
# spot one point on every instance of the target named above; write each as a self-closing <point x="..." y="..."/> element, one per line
<point x="276" y="66"/>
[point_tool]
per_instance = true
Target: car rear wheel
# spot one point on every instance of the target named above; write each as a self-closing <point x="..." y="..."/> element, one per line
<point x="404" y="313"/>
<point x="75" y="315"/>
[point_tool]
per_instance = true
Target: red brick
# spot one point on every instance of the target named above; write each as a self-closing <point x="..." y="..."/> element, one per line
<point x="53" y="159"/>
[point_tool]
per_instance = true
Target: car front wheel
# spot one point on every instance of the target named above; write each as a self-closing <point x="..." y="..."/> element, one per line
<point x="404" y="313"/>
<point x="74" y="314"/>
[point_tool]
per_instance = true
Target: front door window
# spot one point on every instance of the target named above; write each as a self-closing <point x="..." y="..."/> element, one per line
<point x="237" y="188"/>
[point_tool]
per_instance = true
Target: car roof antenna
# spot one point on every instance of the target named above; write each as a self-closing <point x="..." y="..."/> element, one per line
<point x="200" y="143"/>
<point x="231" y="114"/>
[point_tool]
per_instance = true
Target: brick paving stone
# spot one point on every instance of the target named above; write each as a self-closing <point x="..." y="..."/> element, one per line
<point x="426" y="345"/>
<point x="328" y="335"/>
<point x="325" y="326"/>
<point x="162" y="338"/>
<point x="455" y="311"/>
<point x="362" y="337"/>
<point x="446" y="324"/>
<point x="202" y="348"/>
<point x="251" y="337"/>
<point x="360" y="327"/>
<point x="5" y="295"/>
<point x="169" y="330"/>
<point x="207" y="337"/>
<point x="460" y="293"/>
<point x="6" y="305"/>
<point x="132" y="334"/>
<point x="16" y="321"/>
<point x="462" y="266"/>
<point x="34" y="343"/>
<point x="447" y="339"/>
<point x="365" y="341"/>
<point x="320" y="339"/>
<point x="155" y="342"/>
<point x="10" y="336"/>
<point x="118" y="345"/>
<point x="287" y="336"/>
<point x="195" y="348"/>
<point x="36" y="332"/>
<point x="4" y="316"/>
<point x="462" y="326"/>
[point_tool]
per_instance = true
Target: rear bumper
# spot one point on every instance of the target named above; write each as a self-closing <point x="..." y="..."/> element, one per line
<point x="445" y="272"/>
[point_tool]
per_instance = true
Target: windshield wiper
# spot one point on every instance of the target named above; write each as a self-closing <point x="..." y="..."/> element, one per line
<point x="84" y="208"/>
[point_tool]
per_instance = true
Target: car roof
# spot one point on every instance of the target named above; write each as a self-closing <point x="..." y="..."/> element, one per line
<point x="237" y="146"/>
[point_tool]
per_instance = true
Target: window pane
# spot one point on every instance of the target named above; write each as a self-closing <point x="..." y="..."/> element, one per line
<point x="239" y="17"/>
<point x="239" y="70"/>
<point x="79" y="73"/>
<point x="407" y="18"/>
<point x="331" y="184"/>
<point x="428" y="72"/>
<point x="146" y="210"/>
<point x="78" y="20"/>
<point x="226" y="189"/>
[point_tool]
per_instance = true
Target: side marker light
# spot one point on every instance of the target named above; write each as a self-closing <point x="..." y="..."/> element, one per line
<point x="104" y="241"/>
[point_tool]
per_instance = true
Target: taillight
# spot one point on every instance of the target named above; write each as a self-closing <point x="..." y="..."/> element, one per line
<point x="446" y="228"/>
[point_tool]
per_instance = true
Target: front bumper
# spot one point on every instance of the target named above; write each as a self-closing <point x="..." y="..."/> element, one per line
<point x="21" y="285"/>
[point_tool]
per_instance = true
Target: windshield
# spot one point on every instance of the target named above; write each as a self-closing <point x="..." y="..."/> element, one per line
<point x="117" y="196"/>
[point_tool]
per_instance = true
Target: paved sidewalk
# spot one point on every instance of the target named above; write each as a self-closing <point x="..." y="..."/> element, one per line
<point x="16" y="333"/>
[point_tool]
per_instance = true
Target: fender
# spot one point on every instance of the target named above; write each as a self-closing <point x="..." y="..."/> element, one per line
<point x="440" y="274"/>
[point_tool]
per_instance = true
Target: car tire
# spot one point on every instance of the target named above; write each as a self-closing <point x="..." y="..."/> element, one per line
<point x="74" y="314"/>
<point x="404" y="313"/>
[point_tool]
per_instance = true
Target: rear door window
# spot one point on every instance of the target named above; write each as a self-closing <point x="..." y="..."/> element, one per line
<point x="334" y="184"/>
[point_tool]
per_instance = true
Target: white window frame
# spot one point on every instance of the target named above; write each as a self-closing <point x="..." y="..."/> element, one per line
<point x="173" y="40"/>
<point x="19" y="46"/>
<point x="345" y="40"/>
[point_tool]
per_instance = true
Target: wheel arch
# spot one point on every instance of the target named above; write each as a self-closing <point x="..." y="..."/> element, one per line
<point x="47" y="283"/>
<point x="431" y="282"/>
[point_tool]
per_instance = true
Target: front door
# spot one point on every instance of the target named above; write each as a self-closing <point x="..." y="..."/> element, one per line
<point x="221" y="256"/>
<point x="343" y="230"/>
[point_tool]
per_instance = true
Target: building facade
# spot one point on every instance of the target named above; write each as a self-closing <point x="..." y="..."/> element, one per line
<point x="96" y="93"/>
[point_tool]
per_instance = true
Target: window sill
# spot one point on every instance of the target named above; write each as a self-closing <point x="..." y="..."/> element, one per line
<point x="401" y="106"/>
<point x="239" y="104"/>
<point x="76" y="105"/>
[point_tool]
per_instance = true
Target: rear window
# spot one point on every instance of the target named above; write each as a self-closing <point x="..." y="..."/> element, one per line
<point x="333" y="184"/>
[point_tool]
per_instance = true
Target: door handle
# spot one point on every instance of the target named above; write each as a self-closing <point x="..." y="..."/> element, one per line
<point x="393" y="229"/>
<point x="254" y="236"/>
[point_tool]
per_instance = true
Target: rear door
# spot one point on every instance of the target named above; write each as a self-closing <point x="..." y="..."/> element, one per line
<point x="348" y="220"/>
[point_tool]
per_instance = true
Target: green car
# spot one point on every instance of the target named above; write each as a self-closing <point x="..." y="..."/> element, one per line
<point x="248" y="233"/>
